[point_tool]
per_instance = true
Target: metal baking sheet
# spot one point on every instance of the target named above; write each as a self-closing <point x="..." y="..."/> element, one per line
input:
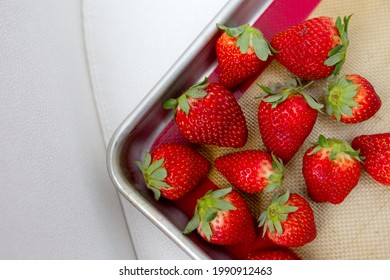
<point x="138" y="131"/>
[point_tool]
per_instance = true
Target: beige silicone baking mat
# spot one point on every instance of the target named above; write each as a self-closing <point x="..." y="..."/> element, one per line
<point x="358" y="228"/>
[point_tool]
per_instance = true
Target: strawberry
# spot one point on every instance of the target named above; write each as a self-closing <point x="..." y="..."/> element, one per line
<point x="241" y="52"/>
<point x="351" y="99"/>
<point x="286" y="117"/>
<point x="331" y="169"/>
<point x="208" y="113"/>
<point x="289" y="220"/>
<point x="222" y="217"/>
<point x="251" y="171"/>
<point x="313" y="49"/>
<point x="260" y="244"/>
<point x="275" y="255"/>
<point x="375" y="150"/>
<point x="173" y="170"/>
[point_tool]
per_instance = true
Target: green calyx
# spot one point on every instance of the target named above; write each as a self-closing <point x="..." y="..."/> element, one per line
<point x="338" y="148"/>
<point x="339" y="98"/>
<point x="276" y="213"/>
<point x="207" y="209"/>
<point x="336" y="57"/>
<point x="196" y="91"/>
<point x="154" y="174"/>
<point x="275" y="179"/>
<point x="277" y="93"/>
<point x="249" y="36"/>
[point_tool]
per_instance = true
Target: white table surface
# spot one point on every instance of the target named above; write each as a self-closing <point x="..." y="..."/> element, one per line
<point x="56" y="199"/>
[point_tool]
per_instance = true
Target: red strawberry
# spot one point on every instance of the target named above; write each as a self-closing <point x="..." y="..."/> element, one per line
<point x="375" y="149"/>
<point x="275" y="255"/>
<point x="286" y="117"/>
<point x="331" y="170"/>
<point x="173" y="170"/>
<point x="289" y="220"/>
<point x="260" y="244"/>
<point x="251" y="171"/>
<point x="222" y="217"/>
<point x="207" y="113"/>
<point x="241" y="52"/>
<point x="351" y="99"/>
<point x="313" y="49"/>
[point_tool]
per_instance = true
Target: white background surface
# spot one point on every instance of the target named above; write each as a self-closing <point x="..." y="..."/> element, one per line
<point x="130" y="46"/>
<point x="56" y="200"/>
<point x="58" y="113"/>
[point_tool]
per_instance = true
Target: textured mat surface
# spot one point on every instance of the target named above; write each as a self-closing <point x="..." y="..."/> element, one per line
<point x="359" y="227"/>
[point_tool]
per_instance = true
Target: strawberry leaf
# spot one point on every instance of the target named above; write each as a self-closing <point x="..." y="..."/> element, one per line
<point x="292" y="83"/>
<point x="207" y="208"/>
<point x="139" y="165"/>
<point x="336" y="56"/>
<point x="265" y="89"/>
<point x="154" y="166"/>
<point x="248" y="36"/>
<point x="283" y="198"/>
<point x="322" y="141"/>
<point x="210" y="214"/>
<point x="196" y="91"/>
<point x="275" y="179"/>
<point x="271" y="187"/>
<point x="338" y="148"/>
<point x="278" y="226"/>
<point x="339" y="97"/>
<point x="193" y="223"/>
<point x="261" y="47"/>
<point x="202" y="84"/>
<point x="170" y="103"/>
<point x="154" y="174"/>
<point x="183" y="104"/>
<point x="335" y="50"/>
<point x="160" y="174"/>
<point x="220" y="193"/>
<point x="334" y="59"/>
<point x="243" y="42"/>
<point x="206" y="229"/>
<point x="278" y="162"/>
<point x="274" y="98"/>
<point x="313" y="103"/>
<point x="346" y="110"/>
<point x="270" y="225"/>
<point x="232" y="31"/>
<point x="292" y="86"/>
<point x="156" y="192"/>
<point x="224" y="205"/>
<point x="158" y="184"/>
<point x="276" y="213"/>
<point x="337" y="114"/>
<point x="147" y="160"/>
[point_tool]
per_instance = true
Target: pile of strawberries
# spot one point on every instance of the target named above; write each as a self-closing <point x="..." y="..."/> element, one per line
<point x="208" y="114"/>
